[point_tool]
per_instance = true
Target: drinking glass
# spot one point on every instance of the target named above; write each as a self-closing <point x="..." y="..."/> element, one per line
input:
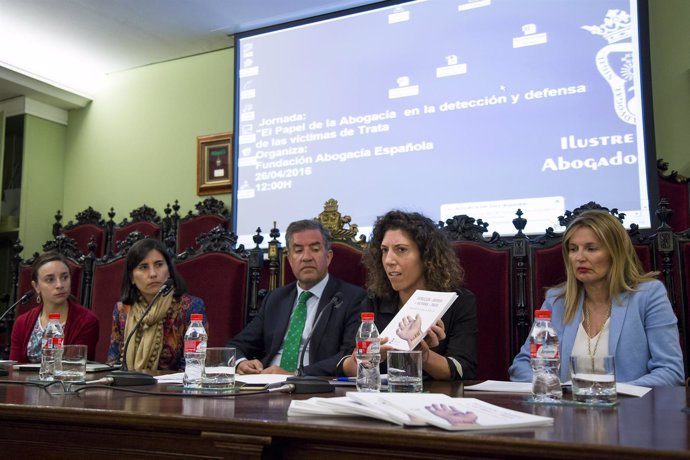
<point x="405" y="371"/>
<point x="70" y="367"/>
<point x="219" y="369"/>
<point x="593" y="379"/>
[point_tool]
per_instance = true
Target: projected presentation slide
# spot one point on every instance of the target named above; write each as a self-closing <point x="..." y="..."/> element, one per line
<point x="446" y="108"/>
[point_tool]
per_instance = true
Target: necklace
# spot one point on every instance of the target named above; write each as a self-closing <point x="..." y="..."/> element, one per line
<point x="588" y="330"/>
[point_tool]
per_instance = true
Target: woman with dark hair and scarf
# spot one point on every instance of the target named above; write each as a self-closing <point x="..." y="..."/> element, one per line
<point x="159" y="342"/>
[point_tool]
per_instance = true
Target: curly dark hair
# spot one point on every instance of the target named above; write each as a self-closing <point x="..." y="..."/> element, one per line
<point x="442" y="271"/>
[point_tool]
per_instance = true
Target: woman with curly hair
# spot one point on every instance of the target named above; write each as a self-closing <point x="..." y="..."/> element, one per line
<point x="408" y="252"/>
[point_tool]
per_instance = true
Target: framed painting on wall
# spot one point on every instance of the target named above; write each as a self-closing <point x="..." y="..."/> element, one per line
<point x="214" y="164"/>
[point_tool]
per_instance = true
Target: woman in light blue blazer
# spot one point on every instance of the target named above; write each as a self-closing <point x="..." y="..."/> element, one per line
<point x="609" y="306"/>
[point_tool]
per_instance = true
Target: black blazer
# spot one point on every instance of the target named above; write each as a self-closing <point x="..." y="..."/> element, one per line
<point x="333" y="337"/>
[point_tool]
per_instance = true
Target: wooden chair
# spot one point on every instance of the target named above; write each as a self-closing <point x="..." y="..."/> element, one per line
<point x="219" y="274"/>
<point x="683" y="254"/>
<point x="63" y="245"/>
<point x="88" y="226"/>
<point x="143" y="219"/>
<point x="488" y="274"/>
<point x="676" y="189"/>
<point x="347" y="249"/>
<point x="546" y="266"/>
<point x="104" y="281"/>
<point x="210" y="213"/>
<point x="21" y="279"/>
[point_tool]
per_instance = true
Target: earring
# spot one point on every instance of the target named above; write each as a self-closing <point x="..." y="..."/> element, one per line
<point x="38" y="298"/>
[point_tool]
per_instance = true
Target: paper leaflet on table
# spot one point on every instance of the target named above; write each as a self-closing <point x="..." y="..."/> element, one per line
<point x="348" y="406"/>
<point x="416" y="317"/>
<point x="462" y="414"/>
<point x="419" y="409"/>
<point x="526" y="387"/>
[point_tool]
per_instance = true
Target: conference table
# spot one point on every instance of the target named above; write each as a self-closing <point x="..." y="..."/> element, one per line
<point x="103" y="423"/>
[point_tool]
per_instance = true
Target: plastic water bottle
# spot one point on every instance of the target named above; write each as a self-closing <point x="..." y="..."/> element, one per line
<point x="51" y="347"/>
<point x="368" y="357"/>
<point x="195" y="340"/>
<point x="545" y="359"/>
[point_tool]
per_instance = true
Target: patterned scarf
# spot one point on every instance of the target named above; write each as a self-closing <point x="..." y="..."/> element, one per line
<point x="145" y="348"/>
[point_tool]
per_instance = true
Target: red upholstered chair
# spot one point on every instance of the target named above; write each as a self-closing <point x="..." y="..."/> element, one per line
<point x="68" y="248"/>
<point x="546" y="265"/>
<point x="105" y="293"/>
<point x="346" y="265"/>
<point x="144" y="220"/>
<point x="191" y="227"/>
<point x="646" y="254"/>
<point x="684" y="258"/>
<point x="209" y="214"/>
<point x="88" y="226"/>
<point x="218" y="274"/>
<point x="104" y="290"/>
<point x="24" y="285"/>
<point x="348" y="250"/>
<point x="488" y="276"/>
<point x="546" y="268"/>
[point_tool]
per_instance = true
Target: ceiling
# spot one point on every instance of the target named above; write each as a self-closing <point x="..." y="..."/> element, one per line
<point x="57" y="51"/>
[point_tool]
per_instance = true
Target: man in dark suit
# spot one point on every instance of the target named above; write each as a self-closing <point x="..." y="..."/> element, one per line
<point x="281" y="327"/>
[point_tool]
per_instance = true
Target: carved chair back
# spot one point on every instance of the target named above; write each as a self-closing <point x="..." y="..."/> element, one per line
<point x="143" y="219"/>
<point x="488" y="275"/>
<point x="88" y="227"/>
<point x="218" y="273"/>
<point x="209" y="214"/>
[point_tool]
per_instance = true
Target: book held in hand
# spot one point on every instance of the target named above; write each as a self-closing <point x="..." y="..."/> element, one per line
<point x="416" y="317"/>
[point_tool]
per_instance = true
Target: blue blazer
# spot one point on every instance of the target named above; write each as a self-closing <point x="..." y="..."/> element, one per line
<point x="643" y="338"/>
<point x="333" y="337"/>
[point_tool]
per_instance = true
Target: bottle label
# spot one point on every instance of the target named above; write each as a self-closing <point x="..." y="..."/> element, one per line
<point x="538" y="350"/>
<point x="193" y="346"/>
<point x="363" y="346"/>
<point x="53" y="342"/>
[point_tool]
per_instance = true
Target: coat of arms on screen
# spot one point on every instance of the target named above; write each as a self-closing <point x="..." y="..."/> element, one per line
<point x="615" y="62"/>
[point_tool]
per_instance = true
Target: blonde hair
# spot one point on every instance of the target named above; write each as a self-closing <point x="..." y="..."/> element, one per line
<point x="626" y="270"/>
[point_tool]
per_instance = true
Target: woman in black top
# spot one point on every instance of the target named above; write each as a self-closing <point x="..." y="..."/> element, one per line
<point x="408" y="252"/>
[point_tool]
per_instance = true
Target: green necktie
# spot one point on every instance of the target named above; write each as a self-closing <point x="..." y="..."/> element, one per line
<point x="288" y="360"/>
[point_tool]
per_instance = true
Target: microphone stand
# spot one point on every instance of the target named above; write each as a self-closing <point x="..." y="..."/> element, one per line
<point x="164" y="289"/>
<point x="23" y="299"/>
<point x="310" y="384"/>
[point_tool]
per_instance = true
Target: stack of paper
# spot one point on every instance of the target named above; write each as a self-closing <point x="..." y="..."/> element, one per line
<point x="419" y="409"/>
<point x="526" y="387"/>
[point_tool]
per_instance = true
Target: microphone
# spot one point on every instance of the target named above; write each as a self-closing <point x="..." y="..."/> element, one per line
<point x="301" y="383"/>
<point x="124" y="379"/>
<point x="163" y="290"/>
<point x="22" y="300"/>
